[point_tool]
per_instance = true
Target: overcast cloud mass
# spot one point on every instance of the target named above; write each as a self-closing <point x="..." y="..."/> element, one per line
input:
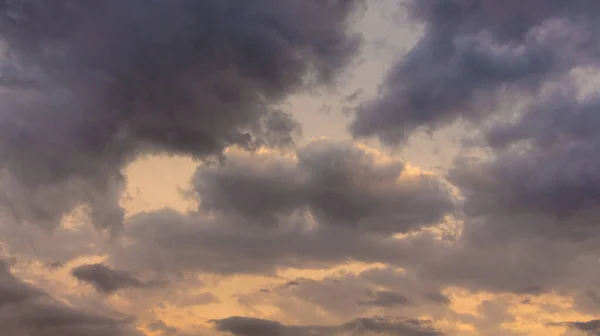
<point x="274" y="233"/>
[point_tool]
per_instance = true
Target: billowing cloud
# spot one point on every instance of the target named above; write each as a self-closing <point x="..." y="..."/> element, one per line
<point x="330" y="203"/>
<point x="88" y="86"/>
<point x="387" y="299"/>
<point x="12" y="290"/>
<point x="474" y="52"/>
<point x="244" y="326"/>
<point x="537" y="193"/>
<point x="375" y="291"/>
<point x="341" y="185"/>
<point x="531" y="190"/>
<point x="27" y="311"/>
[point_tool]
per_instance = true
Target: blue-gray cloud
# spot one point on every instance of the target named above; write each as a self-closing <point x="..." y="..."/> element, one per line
<point x="108" y="80"/>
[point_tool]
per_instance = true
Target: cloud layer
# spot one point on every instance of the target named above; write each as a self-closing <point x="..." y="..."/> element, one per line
<point x="241" y="326"/>
<point x="296" y="238"/>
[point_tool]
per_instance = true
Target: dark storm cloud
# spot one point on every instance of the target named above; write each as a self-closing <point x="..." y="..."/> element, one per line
<point x="27" y="311"/>
<point x="244" y="326"/>
<point x="471" y="51"/>
<point x="89" y="85"/>
<point x="107" y="280"/>
<point x="342" y="186"/>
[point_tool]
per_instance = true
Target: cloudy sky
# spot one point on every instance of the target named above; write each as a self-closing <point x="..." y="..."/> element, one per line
<point x="299" y="168"/>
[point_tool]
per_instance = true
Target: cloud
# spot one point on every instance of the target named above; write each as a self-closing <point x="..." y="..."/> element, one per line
<point x="86" y="88"/>
<point x="162" y="327"/>
<point x="107" y="81"/>
<point x="27" y="241"/>
<point x="330" y="203"/>
<point x="13" y="291"/>
<point x="387" y="299"/>
<point x="244" y="326"/>
<point x="279" y="230"/>
<point x="342" y="185"/>
<point x="534" y="198"/>
<point x="529" y="182"/>
<point x="107" y="280"/>
<point x="554" y="175"/>
<point x="170" y="243"/>
<point x="471" y="55"/>
<point x="377" y="290"/>
<point x="492" y="257"/>
<point x="591" y="328"/>
<point x="27" y="311"/>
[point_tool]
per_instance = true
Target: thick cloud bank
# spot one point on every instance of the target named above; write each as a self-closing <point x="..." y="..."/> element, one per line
<point x="474" y="52"/>
<point x="86" y="86"/>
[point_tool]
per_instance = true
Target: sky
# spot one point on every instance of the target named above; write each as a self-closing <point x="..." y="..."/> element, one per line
<point x="299" y="168"/>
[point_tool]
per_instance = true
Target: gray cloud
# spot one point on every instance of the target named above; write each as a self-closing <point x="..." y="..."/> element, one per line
<point x="536" y="193"/>
<point x="107" y="80"/>
<point x="168" y="242"/>
<point x="260" y="212"/>
<point x="27" y="311"/>
<point x="244" y="326"/>
<point x="84" y="95"/>
<point x="591" y="328"/>
<point x="107" y="280"/>
<point x="531" y="195"/>
<point x="387" y="299"/>
<point x="471" y="53"/>
<point x="490" y="258"/>
<point x="12" y="290"/>
<point x="555" y="175"/>
<point x="196" y="299"/>
<point x="27" y="241"/>
<point x="437" y="297"/>
<point x="378" y="290"/>
<point x="162" y="327"/>
<point x="340" y="184"/>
